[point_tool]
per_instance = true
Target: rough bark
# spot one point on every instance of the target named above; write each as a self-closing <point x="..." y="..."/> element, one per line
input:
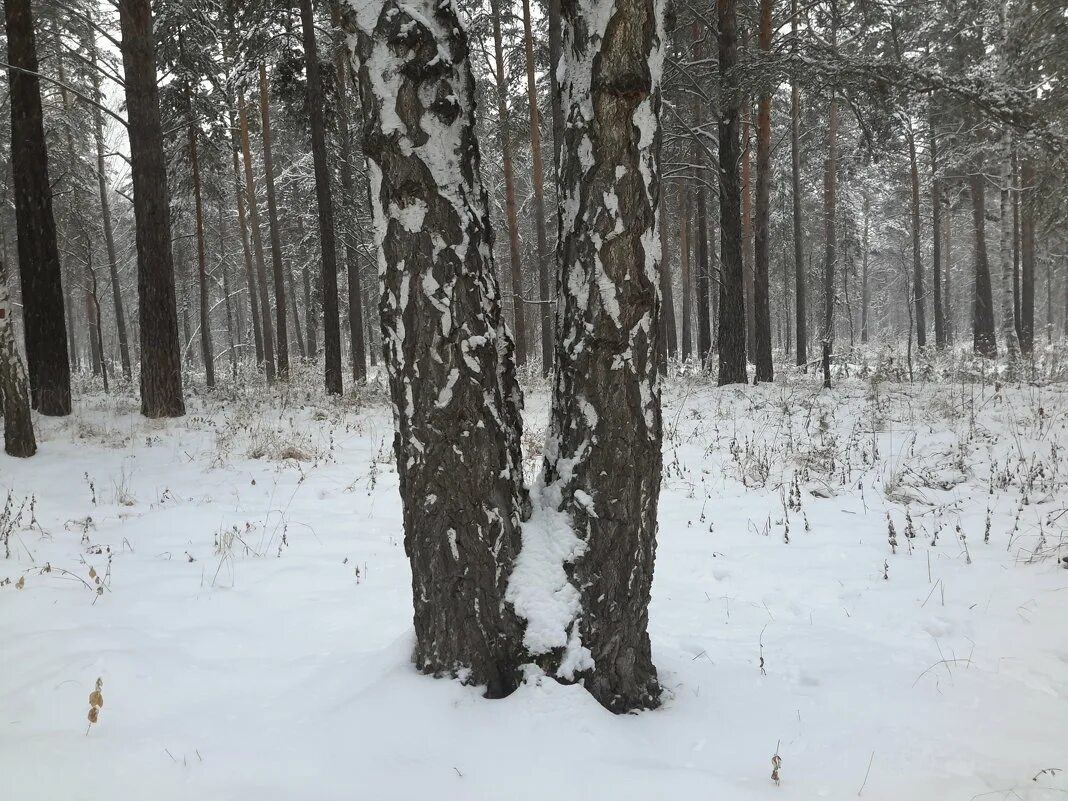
<point x="325" y="202"/>
<point x="14" y="386"/>
<point x="161" y="363"/>
<point x="606" y="397"/>
<point x="267" y="328"/>
<point x="762" y="238"/>
<point x="44" y="318"/>
<point x="281" y="327"/>
<point x="447" y="351"/>
<point x="732" y="327"/>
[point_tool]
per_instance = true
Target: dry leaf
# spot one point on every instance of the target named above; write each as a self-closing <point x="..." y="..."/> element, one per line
<point x="20" y="583"/>
<point x="92" y="572"/>
<point x="96" y="698"/>
<point x="94" y="713"/>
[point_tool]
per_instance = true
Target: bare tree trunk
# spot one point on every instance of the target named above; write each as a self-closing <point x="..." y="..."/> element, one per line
<point x="44" y="319"/>
<point x="865" y="295"/>
<point x="747" y="229"/>
<point x="250" y="281"/>
<point x="937" y="193"/>
<point x="14" y="386"/>
<point x="161" y="362"/>
<point x="947" y="302"/>
<point x="606" y="398"/>
<point x="504" y="127"/>
<point x="1027" y="261"/>
<point x="202" y="262"/>
<point x="290" y="285"/>
<point x="545" y="309"/>
<point x="917" y="261"/>
<point x="327" y="239"/>
<point x="984" y="341"/>
<point x="762" y="242"/>
<point x="1008" y="294"/>
<point x="669" y="334"/>
<point x="357" y="347"/>
<point x="105" y="214"/>
<point x="684" y="270"/>
<point x="224" y="265"/>
<point x="277" y="268"/>
<point x="449" y="358"/>
<point x="257" y="243"/>
<point x="732" y="327"/>
<point x="800" y="295"/>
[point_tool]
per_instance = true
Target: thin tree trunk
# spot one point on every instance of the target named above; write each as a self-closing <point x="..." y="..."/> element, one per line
<point x="327" y="238"/>
<point x="161" y="362"/>
<point x="309" y="297"/>
<point x="606" y="399"/>
<point x="555" y="106"/>
<point x="44" y="320"/>
<point x="257" y="243"/>
<point x="545" y="309"/>
<point x="357" y="346"/>
<point x="667" y="297"/>
<point x="984" y="341"/>
<point x="937" y="193"/>
<point x="14" y="386"/>
<point x="947" y="297"/>
<point x="250" y="281"/>
<point x="202" y="262"/>
<point x="504" y="127"/>
<point x="281" y="327"/>
<point x="800" y="296"/>
<point x="748" y="284"/>
<point x="1008" y="294"/>
<point x="865" y="294"/>
<point x="1027" y="254"/>
<point x="298" y="330"/>
<point x="684" y="270"/>
<point x="762" y="241"/>
<point x="224" y="266"/>
<point x="448" y="354"/>
<point x="732" y="327"/>
<point x="917" y="261"/>
<point x="105" y="214"/>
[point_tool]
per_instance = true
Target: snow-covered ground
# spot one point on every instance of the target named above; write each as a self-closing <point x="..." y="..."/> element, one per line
<point x="253" y="624"/>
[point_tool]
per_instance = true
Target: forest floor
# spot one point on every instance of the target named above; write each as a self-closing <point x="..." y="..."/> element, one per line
<point x="252" y="620"/>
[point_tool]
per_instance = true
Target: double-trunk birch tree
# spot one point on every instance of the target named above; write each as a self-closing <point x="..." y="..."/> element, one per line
<point x="451" y="362"/>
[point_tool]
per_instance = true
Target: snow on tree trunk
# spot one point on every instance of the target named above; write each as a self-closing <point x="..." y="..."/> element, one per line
<point x="14" y="387"/>
<point x="449" y="357"/>
<point x="602" y="460"/>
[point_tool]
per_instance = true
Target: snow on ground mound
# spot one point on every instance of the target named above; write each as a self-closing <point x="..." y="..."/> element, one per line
<point x="252" y="621"/>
